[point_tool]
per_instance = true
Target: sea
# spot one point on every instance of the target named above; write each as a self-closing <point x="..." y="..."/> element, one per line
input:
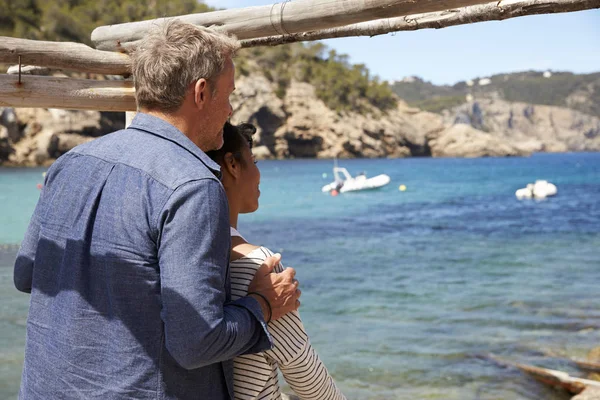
<point x="414" y="294"/>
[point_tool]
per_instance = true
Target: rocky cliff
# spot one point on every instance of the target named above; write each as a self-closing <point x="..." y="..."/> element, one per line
<point x="499" y="127"/>
<point x="37" y="136"/>
<point x="300" y="125"/>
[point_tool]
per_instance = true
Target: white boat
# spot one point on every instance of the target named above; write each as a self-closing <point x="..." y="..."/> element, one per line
<point x="538" y="190"/>
<point x="344" y="182"/>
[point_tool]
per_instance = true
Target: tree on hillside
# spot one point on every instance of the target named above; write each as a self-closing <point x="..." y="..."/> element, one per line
<point x="74" y="20"/>
<point x="339" y="84"/>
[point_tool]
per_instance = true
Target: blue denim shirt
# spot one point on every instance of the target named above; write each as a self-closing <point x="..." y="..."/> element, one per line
<point x="126" y="259"/>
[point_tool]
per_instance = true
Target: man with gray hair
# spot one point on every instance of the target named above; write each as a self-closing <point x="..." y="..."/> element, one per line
<point x="126" y="255"/>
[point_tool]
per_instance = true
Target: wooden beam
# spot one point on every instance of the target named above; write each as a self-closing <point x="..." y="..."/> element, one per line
<point x="63" y="55"/>
<point x="67" y="93"/>
<point x="495" y="11"/>
<point x="79" y="57"/>
<point x="550" y="377"/>
<point x="556" y="378"/>
<point x="27" y="70"/>
<point x="281" y="18"/>
<point x="587" y="365"/>
<point x="589" y="393"/>
<point x="129" y="116"/>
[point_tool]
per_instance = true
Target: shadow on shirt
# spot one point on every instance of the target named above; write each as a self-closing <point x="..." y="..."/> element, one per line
<point x="95" y="329"/>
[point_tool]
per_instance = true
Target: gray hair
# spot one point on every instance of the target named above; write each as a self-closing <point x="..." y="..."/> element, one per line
<point x="173" y="56"/>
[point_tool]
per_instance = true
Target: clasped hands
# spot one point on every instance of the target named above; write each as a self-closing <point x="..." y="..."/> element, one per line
<point x="277" y="293"/>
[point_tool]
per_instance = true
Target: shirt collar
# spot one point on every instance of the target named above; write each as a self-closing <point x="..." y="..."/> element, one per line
<point x="162" y="128"/>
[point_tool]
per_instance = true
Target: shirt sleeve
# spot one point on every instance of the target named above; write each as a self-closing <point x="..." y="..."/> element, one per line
<point x="23" y="271"/>
<point x="299" y="363"/>
<point x="201" y="327"/>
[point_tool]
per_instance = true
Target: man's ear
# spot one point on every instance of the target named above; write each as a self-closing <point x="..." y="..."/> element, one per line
<point x="200" y="93"/>
<point x="232" y="165"/>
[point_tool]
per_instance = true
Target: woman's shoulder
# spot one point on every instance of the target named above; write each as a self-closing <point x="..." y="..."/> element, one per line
<point x="244" y="250"/>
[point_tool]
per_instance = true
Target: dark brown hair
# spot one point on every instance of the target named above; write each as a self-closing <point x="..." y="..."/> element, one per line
<point x="235" y="138"/>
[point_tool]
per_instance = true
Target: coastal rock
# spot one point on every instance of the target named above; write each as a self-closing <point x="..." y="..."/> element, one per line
<point x="463" y="140"/>
<point x="594" y="356"/>
<point x="255" y="101"/>
<point x="295" y="123"/>
<point x="589" y="393"/>
<point x="9" y="120"/>
<point x="531" y="127"/>
<point x="37" y="136"/>
<point x="301" y="125"/>
<point x="5" y="144"/>
<point x="262" y="152"/>
<point x="60" y="143"/>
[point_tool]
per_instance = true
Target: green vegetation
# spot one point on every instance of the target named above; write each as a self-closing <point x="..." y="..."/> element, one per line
<point x="74" y="20"/>
<point x="342" y="86"/>
<point x="417" y="90"/>
<point x="556" y="90"/>
<point x="580" y="92"/>
<point x="439" y="103"/>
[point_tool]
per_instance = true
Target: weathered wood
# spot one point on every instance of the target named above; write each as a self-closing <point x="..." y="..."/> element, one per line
<point x="63" y="55"/>
<point x="79" y="57"/>
<point x="587" y="365"/>
<point x="558" y="378"/>
<point x="589" y="393"/>
<point x="550" y="377"/>
<point x="129" y="116"/>
<point x="495" y="11"/>
<point x="28" y="70"/>
<point x="279" y="19"/>
<point x="67" y="93"/>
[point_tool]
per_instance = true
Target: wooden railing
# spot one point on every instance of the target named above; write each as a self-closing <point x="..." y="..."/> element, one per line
<point x="284" y="22"/>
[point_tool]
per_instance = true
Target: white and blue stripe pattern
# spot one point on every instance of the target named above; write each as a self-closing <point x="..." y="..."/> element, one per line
<point x="255" y="375"/>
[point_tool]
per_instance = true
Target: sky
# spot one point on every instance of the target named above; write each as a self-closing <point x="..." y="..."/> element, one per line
<point x="557" y="42"/>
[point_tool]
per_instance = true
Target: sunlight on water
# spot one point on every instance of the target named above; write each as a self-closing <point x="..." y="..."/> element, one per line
<point x="405" y="294"/>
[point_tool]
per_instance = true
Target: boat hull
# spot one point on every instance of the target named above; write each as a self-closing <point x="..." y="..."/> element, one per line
<point x="356" y="184"/>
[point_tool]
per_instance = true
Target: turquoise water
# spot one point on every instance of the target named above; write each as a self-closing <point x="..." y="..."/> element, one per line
<point x="405" y="294"/>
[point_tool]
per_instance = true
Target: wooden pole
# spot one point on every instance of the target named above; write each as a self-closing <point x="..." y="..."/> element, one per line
<point x="129" y="116"/>
<point x="589" y="393"/>
<point x="51" y="92"/>
<point x="551" y="377"/>
<point x="587" y="365"/>
<point x="495" y="11"/>
<point x="281" y="18"/>
<point x="68" y="93"/>
<point x="63" y="55"/>
<point x="79" y="57"/>
<point x="558" y="378"/>
<point x="27" y="70"/>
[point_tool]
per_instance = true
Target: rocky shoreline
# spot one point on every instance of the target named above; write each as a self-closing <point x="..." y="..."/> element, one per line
<point x="299" y="125"/>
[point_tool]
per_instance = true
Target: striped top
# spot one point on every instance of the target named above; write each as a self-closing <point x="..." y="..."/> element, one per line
<point x="255" y="375"/>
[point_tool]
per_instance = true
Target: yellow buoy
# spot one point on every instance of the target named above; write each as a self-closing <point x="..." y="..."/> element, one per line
<point x="402" y="188"/>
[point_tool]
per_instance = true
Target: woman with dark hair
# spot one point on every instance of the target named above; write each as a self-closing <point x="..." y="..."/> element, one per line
<point x="255" y="375"/>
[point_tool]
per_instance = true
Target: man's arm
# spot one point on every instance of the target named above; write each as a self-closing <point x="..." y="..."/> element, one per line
<point x="23" y="271"/>
<point x="193" y="250"/>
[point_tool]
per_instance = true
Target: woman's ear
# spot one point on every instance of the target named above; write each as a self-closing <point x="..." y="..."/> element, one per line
<point x="231" y="165"/>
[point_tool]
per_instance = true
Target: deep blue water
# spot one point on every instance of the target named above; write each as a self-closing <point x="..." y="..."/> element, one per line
<point x="405" y="294"/>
